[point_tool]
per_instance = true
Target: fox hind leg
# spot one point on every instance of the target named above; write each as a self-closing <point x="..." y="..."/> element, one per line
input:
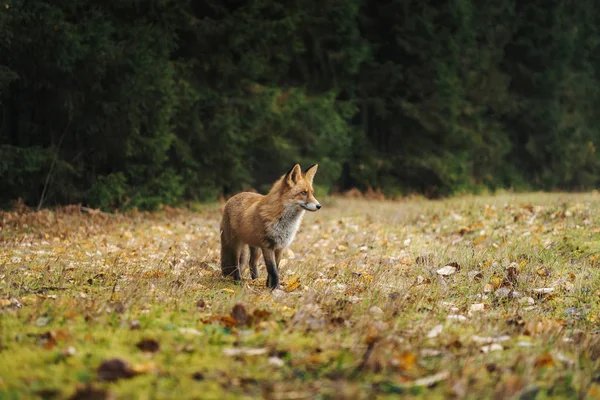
<point x="254" y="255"/>
<point x="243" y="259"/>
<point x="230" y="256"/>
<point x="278" y="256"/>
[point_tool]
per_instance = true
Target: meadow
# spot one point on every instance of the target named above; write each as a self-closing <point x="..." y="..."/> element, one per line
<point x="470" y="297"/>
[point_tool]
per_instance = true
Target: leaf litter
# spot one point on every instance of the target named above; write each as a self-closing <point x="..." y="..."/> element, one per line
<point x="390" y="295"/>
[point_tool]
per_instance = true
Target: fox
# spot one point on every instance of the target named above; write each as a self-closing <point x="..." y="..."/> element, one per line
<point x="266" y="223"/>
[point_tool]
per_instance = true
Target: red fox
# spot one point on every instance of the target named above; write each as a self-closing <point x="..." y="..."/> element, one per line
<point x="266" y="222"/>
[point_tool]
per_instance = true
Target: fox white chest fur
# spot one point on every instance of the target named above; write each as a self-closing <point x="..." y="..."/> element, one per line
<point x="283" y="230"/>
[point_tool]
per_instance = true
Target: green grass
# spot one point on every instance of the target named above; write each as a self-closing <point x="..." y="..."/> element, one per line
<point x="77" y="289"/>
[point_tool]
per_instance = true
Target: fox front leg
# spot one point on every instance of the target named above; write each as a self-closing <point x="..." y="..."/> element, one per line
<point x="273" y="275"/>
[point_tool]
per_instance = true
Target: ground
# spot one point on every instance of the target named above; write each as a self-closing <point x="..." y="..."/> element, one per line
<point x="478" y="297"/>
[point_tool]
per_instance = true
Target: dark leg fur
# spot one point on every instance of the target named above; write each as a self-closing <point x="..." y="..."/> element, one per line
<point x="254" y="254"/>
<point x="273" y="276"/>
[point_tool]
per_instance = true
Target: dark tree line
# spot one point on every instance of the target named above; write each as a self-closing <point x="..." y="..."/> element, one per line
<point x="128" y="103"/>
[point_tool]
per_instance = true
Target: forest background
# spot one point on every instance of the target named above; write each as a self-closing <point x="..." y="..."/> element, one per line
<point x="128" y="103"/>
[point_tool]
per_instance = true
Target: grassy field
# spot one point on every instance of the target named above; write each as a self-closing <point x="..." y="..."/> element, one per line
<point x="474" y="297"/>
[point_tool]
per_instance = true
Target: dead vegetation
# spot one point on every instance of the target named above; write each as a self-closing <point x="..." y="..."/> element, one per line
<point x="482" y="296"/>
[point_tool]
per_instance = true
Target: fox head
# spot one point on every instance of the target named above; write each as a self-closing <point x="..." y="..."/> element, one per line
<point x="298" y="187"/>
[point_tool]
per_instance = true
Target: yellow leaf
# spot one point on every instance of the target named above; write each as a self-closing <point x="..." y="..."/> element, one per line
<point x="543" y="361"/>
<point x="406" y="360"/>
<point x="480" y="239"/>
<point x="144" y="368"/>
<point x="292" y="284"/>
<point x="495" y="281"/>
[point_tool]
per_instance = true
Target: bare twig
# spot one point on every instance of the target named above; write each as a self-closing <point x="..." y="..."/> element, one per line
<point x="43" y="196"/>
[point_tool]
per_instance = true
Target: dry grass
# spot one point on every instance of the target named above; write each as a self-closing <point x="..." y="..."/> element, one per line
<point x="365" y="312"/>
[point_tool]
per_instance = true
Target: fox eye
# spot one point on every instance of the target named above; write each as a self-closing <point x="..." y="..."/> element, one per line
<point x="303" y="193"/>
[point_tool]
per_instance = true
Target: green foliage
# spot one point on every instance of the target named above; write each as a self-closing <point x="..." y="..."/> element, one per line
<point x="127" y="106"/>
<point x="108" y="191"/>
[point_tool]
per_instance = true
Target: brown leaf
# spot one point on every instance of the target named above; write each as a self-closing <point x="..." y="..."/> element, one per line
<point x="225" y="320"/>
<point x="198" y="376"/>
<point x="49" y="339"/>
<point x="454" y="264"/>
<point x="148" y="345"/>
<point x="543" y="361"/>
<point x="424" y="259"/>
<point x="89" y="392"/>
<point x="114" y="369"/>
<point x="372" y="335"/>
<point x="515" y="320"/>
<point x="240" y="314"/>
<point x="260" y="315"/>
<point x="511" y="275"/>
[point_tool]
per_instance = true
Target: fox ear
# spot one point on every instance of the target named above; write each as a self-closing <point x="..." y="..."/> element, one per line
<point x="309" y="175"/>
<point x="293" y="175"/>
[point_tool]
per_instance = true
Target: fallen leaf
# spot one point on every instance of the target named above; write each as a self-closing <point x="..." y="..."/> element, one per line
<point x="487" y="339"/>
<point x="544" y="361"/>
<point x="292" y="284"/>
<point x="190" y="331"/>
<point x="446" y="270"/>
<point x="492" y="347"/>
<point x="144" y="368"/>
<point x="375" y="311"/>
<point x="477" y="307"/>
<point x="148" y="345"/>
<point x="496" y="282"/>
<point x="480" y="239"/>
<point x="276" y="361"/>
<point x="239" y="313"/>
<point x="432" y="380"/>
<point x="114" y="369"/>
<point x="89" y="392"/>
<point x="237" y="351"/>
<point x="405" y="361"/>
<point x="433" y="333"/>
<point x="511" y="275"/>
<point x="424" y="259"/>
<point x="475" y="275"/>
<point x="543" y="272"/>
<point x="198" y="376"/>
<point x="372" y="335"/>
<point x="463" y="229"/>
<point x="225" y="320"/>
<point x="543" y="290"/>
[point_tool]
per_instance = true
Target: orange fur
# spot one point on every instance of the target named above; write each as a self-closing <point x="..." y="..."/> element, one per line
<point x="266" y="222"/>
